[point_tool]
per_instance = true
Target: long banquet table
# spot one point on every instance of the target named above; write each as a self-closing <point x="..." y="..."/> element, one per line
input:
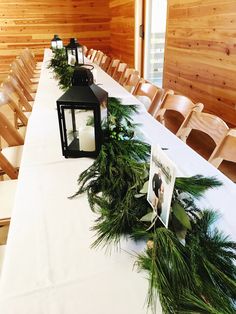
<point x="49" y="267"/>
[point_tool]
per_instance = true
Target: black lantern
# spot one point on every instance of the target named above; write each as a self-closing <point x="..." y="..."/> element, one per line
<point x="79" y="114"/>
<point x="74" y="52"/>
<point x="56" y="42"/>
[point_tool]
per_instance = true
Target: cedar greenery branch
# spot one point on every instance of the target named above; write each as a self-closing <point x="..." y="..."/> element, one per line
<point x="190" y="265"/>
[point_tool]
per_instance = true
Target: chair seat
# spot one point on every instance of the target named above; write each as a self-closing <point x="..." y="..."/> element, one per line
<point x="144" y="100"/>
<point x="7" y="198"/>
<point x="35" y="79"/>
<point x="22" y="131"/>
<point x="13" y="155"/>
<point x="27" y="113"/>
<point x="39" y="65"/>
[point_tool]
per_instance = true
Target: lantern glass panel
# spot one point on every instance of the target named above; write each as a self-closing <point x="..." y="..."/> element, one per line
<point x="59" y="44"/>
<point x="80" y="134"/>
<point x="53" y="44"/>
<point x="80" y="55"/>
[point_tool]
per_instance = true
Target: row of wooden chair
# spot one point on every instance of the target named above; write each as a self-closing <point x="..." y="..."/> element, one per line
<point x="206" y="133"/>
<point x="149" y="94"/>
<point x="177" y="112"/>
<point x="17" y="94"/>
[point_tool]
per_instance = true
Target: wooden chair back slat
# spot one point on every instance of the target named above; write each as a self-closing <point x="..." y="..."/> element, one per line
<point x="113" y="67"/>
<point x="9" y="133"/>
<point x="176" y="103"/>
<point x="11" y="85"/>
<point x="148" y="90"/>
<point x="207" y="123"/>
<point x="127" y="74"/>
<point x="120" y="72"/>
<point x="98" y="58"/>
<point x="7" y="168"/>
<point x="11" y="99"/>
<point x="131" y="82"/>
<point x="105" y="62"/>
<point x="226" y="150"/>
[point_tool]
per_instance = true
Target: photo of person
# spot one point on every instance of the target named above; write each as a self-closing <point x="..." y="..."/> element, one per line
<point x="158" y="189"/>
<point x="161" y="183"/>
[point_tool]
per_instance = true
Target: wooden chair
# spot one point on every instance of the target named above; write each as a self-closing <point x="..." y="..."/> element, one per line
<point x="29" y="67"/>
<point x="91" y="54"/>
<point x="31" y="59"/>
<point x="147" y="93"/>
<point x="208" y="127"/>
<point x="10" y="156"/>
<point x="120" y="72"/>
<point x="174" y="109"/>
<point x="105" y="62"/>
<point x="25" y="74"/>
<point x="113" y="66"/>
<point x="126" y="75"/>
<point x="98" y="57"/>
<point x="224" y="155"/>
<point x="131" y="82"/>
<point x="24" y="85"/>
<point x="7" y="198"/>
<point x="13" y="86"/>
<point x="11" y="99"/>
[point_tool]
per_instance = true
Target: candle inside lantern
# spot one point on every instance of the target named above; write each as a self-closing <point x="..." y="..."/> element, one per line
<point x="87" y="139"/>
<point x="71" y="59"/>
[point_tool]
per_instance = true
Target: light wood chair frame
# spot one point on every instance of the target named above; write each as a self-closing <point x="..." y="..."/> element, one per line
<point x="207" y="123"/>
<point x="226" y="150"/>
<point x="178" y="103"/>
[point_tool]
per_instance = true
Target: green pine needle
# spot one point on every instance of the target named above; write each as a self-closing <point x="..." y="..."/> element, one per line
<point x="196" y="185"/>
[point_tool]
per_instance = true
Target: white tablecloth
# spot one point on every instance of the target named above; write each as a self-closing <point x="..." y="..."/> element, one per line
<point x="49" y="266"/>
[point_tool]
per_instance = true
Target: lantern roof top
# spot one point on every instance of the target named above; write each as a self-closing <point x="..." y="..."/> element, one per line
<point x="91" y="94"/>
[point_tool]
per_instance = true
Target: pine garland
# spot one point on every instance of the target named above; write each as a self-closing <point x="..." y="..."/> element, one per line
<point x="195" y="277"/>
<point x="191" y="265"/>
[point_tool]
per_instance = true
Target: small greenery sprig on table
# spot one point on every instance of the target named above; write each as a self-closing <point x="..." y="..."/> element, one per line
<point x="190" y="265"/>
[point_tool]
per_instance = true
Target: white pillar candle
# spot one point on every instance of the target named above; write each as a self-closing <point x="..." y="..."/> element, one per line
<point x="87" y="139"/>
<point x="71" y="59"/>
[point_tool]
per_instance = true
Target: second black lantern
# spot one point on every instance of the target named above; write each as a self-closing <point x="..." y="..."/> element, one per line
<point x="74" y="52"/>
<point x="56" y="42"/>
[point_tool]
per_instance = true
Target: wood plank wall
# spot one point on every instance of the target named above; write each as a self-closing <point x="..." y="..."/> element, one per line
<point x="200" y="58"/>
<point x="122" y="30"/>
<point x="32" y="23"/>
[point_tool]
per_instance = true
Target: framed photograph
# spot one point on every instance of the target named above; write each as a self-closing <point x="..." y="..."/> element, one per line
<point x="161" y="183"/>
